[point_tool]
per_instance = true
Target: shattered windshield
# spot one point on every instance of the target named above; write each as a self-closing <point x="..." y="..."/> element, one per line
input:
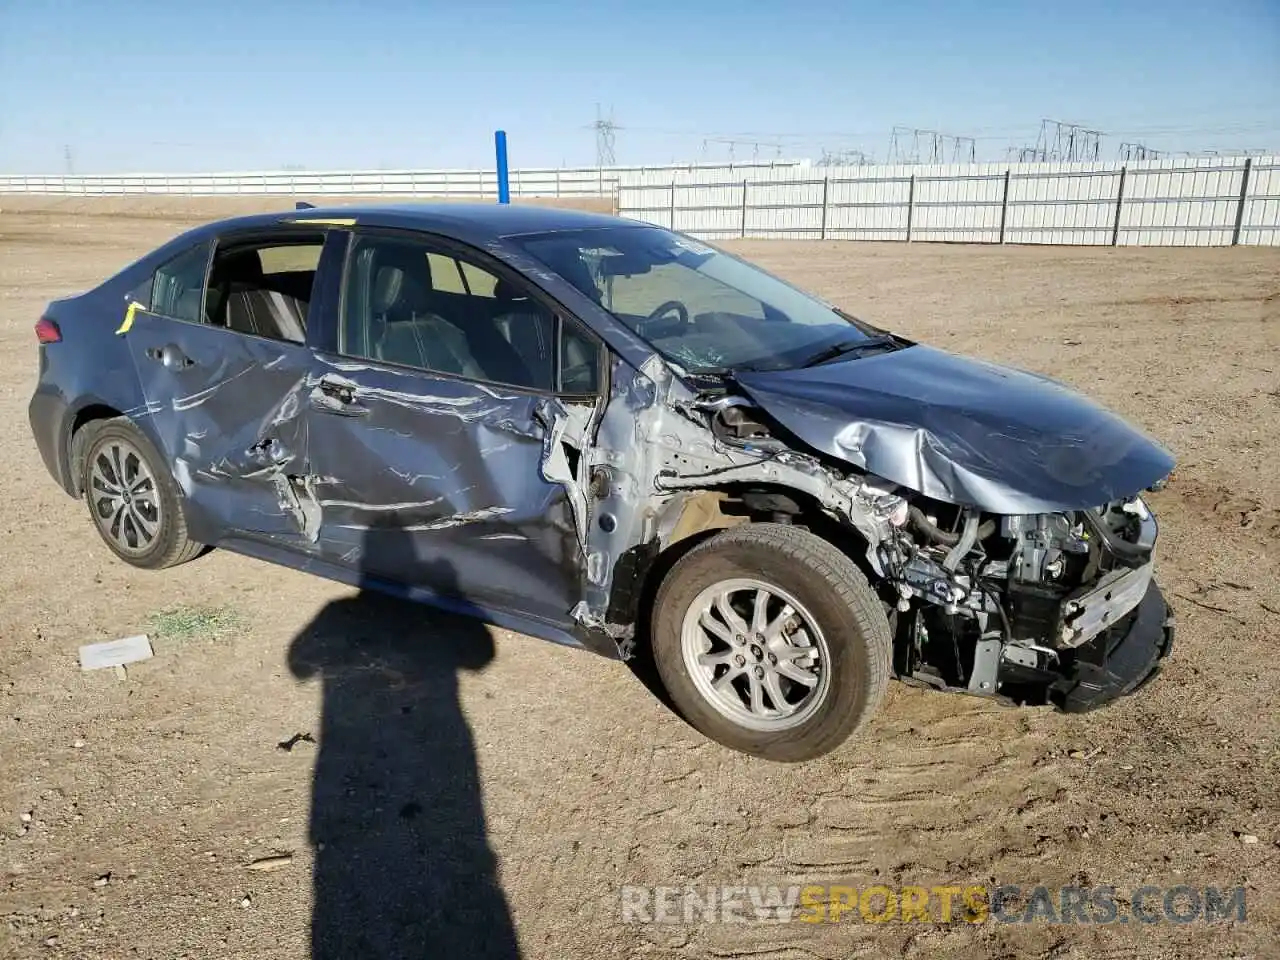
<point x="700" y="308"/>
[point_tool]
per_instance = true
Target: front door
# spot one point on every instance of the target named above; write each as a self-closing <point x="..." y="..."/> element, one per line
<point x="222" y="369"/>
<point x="427" y="432"/>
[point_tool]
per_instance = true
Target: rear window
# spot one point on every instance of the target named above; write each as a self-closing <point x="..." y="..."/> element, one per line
<point x="292" y="258"/>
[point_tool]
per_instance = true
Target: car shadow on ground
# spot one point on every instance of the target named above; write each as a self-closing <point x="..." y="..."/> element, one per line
<point x="402" y="862"/>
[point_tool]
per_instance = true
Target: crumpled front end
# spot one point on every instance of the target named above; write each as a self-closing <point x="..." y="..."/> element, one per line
<point x="1055" y="607"/>
<point x="1020" y="560"/>
<point x="995" y="578"/>
<point x="1020" y="595"/>
<point x="963" y="431"/>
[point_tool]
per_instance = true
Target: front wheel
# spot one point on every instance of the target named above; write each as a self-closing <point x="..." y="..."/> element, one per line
<point x="770" y="641"/>
<point x="133" y="501"/>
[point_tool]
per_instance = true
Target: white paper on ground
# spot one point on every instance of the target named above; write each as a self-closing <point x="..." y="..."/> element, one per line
<point x="115" y="653"/>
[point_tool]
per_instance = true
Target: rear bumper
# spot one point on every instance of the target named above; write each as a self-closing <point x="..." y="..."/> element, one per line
<point x="1118" y="662"/>
<point x="48" y="415"/>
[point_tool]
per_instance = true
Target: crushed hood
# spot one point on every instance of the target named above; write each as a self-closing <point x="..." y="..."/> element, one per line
<point x="963" y="431"/>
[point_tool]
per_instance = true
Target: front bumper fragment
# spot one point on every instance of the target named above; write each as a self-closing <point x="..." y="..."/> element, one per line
<point x="1119" y="661"/>
<point x="1115" y="595"/>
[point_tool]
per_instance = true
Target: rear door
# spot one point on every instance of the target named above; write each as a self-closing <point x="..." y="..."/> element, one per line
<point x="436" y="394"/>
<point x="222" y="360"/>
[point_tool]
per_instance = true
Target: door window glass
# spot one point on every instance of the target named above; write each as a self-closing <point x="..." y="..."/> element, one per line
<point x="264" y="289"/>
<point x="410" y="302"/>
<point x="178" y="286"/>
<point x="579" y="361"/>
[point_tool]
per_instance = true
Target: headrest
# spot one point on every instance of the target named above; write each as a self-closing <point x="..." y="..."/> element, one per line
<point x="388" y="283"/>
<point x="506" y="290"/>
<point x="402" y="277"/>
<point x="244" y="266"/>
<point x="409" y="258"/>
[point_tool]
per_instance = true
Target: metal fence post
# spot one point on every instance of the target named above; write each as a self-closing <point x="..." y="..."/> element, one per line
<point x="911" y="203"/>
<point x="500" y="161"/>
<point x="1115" y="229"/>
<point x="743" y="234"/>
<point x="673" y="204"/>
<point x="1244" y="197"/>
<point x="822" y="230"/>
<point x="1004" y="204"/>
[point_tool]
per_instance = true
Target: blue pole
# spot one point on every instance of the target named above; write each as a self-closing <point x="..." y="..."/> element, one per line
<point x="500" y="146"/>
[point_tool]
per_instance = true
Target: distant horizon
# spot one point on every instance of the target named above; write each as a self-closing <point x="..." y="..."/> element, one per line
<point x="489" y="169"/>
<point x="215" y="86"/>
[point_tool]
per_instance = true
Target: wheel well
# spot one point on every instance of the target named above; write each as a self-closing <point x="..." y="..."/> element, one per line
<point x="734" y="505"/>
<point x="76" y="435"/>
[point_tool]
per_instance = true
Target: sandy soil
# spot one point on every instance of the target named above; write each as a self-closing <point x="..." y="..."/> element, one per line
<point x="505" y="788"/>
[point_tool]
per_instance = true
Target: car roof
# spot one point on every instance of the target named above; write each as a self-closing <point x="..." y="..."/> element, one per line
<point x="470" y="221"/>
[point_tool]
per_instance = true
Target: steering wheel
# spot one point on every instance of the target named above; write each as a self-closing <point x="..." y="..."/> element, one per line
<point x="671" y="306"/>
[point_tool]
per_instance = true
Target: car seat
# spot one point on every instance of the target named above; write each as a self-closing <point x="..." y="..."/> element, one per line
<point x="402" y="329"/>
<point x="239" y="300"/>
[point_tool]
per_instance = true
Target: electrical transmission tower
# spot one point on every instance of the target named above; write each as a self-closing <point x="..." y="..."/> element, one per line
<point x="910" y="145"/>
<point x="1067" y="142"/>
<point x="844" y="158"/>
<point x="1024" y="154"/>
<point x="605" y="129"/>
<point x="1139" y="151"/>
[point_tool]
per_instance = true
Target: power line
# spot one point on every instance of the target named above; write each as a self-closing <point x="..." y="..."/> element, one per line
<point x="1252" y="152"/>
<point x="733" y="143"/>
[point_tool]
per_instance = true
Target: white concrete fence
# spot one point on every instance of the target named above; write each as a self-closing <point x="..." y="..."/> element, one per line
<point x="1210" y="201"/>
<point x="584" y="182"/>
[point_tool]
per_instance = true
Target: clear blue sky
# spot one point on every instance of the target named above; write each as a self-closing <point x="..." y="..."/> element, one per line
<point x="138" y="85"/>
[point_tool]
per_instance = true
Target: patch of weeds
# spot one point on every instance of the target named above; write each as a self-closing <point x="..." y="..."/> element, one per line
<point x="191" y="623"/>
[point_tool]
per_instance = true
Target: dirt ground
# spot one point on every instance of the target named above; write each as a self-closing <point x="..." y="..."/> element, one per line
<point x="543" y="779"/>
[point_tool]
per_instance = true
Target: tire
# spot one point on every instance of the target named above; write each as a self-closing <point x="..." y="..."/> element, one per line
<point x="148" y="528"/>
<point x="851" y="635"/>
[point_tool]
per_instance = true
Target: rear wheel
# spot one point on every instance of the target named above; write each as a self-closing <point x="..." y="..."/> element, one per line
<point x="133" y="501"/>
<point x="770" y="641"/>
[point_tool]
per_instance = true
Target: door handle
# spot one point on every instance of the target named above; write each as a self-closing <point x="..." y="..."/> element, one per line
<point x="338" y="398"/>
<point x="171" y="356"/>
<point x="342" y="392"/>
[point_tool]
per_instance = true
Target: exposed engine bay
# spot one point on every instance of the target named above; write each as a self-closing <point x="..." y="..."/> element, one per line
<point x="1035" y="608"/>
<point x="1015" y="604"/>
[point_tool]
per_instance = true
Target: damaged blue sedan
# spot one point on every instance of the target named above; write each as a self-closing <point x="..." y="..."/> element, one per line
<point x="614" y="436"/>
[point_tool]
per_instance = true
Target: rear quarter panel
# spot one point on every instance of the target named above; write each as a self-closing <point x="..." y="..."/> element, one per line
<point x="90" y="367"/>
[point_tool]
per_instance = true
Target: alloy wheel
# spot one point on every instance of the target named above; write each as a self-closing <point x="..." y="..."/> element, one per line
<point x="124" y="497"/>
<point x="756" y="654"/>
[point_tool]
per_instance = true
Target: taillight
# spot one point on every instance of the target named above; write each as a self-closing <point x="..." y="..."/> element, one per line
<point x="47" y="331"/>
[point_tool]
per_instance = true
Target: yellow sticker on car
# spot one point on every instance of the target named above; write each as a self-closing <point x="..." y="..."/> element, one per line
<point x="134" y="307"/>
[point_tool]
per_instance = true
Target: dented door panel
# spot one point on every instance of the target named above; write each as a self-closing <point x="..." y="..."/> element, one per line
<point x="223" y="407"/>
<point x="434" y="482"/>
